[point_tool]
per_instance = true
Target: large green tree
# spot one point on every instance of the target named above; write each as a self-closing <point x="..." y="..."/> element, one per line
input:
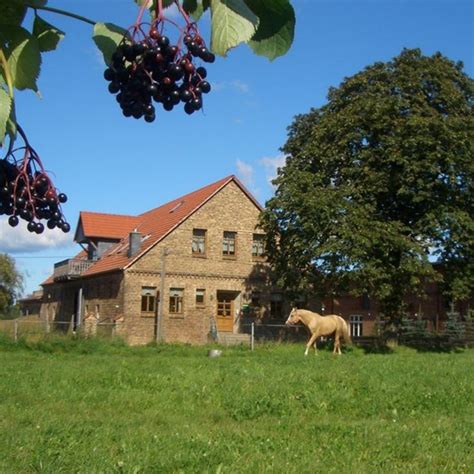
<point x="378" y="185"/>
<point x="11" y="283"/>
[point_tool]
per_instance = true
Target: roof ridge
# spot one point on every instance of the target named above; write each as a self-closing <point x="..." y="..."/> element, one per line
<point x="108" y="214"/>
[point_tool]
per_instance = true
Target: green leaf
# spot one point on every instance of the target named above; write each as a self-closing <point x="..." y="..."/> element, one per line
<point x="12" y="12"/>
<point x="23" y="56"/>
<point x="11" y="123"/>
<point x="232" y="23"/>
<point x="107" y="37"/>
<point x="196" y="8"/>
<point x="48" y="35"/>
<point x="5" y="108"/>
<point x="276" y="29"/>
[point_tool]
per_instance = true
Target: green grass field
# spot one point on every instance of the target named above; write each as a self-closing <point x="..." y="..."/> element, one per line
<point x="90" y="406"/>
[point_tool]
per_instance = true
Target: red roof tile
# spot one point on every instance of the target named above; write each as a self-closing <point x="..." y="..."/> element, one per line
<point x="109" y="226"/>
<point x="154" y="225"/>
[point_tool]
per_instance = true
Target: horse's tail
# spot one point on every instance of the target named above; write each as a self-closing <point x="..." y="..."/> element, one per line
<point x="345" y="332"/>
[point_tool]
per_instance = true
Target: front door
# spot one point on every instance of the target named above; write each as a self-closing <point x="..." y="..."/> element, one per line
<point x="225" y="311"/>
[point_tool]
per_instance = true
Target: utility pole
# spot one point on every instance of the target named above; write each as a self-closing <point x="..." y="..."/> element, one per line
<point x="159" y="315"/>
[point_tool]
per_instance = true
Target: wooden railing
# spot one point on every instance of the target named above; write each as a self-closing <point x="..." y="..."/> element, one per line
<point x="71" y="268"/>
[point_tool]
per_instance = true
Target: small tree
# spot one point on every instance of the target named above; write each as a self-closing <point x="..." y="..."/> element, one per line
<point x="11" y="284"/>
<point x="377" y="182"/>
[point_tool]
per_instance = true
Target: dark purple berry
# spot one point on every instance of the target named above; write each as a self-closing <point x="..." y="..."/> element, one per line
<point x="109" y="74"/>
<point x="114" y="87"/>
<point x="188" y="108"/>
<point x="205" y="87"/>
<point x="163" y="41"/>
<point x="185" y="95"/>
<point x="13" y="221"/>
<point x="202" y="72"/>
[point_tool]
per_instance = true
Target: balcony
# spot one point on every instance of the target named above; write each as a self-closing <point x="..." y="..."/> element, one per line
<point x="70" y="269"/>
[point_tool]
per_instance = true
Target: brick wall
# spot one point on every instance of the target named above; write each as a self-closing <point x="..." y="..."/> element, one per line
<point x="229" y="210"/>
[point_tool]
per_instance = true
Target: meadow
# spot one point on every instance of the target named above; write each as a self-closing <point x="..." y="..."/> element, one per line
<point x="88" y="406"/>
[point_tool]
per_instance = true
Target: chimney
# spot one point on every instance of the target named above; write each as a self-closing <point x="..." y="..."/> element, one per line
<point x="134" y="242"/>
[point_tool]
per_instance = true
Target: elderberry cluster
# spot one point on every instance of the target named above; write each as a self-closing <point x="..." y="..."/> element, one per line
<point x="153" y="70"/>
<point x="30" y="195"/>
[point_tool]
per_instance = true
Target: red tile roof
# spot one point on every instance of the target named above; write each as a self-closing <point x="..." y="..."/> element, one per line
<point x="109" y="226"/>
<point x="154" y="225"/>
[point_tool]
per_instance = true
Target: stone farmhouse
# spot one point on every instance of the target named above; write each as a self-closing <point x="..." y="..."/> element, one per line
<point x="177" y="273"/>
<point x="188" y="271"/>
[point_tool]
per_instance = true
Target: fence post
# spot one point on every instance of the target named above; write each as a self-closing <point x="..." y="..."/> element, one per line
<point x="15" y="330"/>
<point x="252" y="336"/>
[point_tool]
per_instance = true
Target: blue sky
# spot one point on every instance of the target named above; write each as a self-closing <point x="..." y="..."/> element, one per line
<point x="107" y="163"/>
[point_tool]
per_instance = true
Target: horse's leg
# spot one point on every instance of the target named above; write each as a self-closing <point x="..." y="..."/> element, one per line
<point x="337" y="348"/>
<point x="311" y="341"/>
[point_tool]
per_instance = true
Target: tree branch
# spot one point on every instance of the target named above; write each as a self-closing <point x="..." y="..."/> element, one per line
<point x="63" y="12"/>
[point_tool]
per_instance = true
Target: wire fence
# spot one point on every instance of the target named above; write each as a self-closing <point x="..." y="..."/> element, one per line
<point x="414" y="333"/>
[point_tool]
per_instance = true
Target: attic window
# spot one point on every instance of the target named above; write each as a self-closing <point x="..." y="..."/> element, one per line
<point x="176" y="207"/>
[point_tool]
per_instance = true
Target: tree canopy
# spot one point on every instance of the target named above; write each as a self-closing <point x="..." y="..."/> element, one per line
<point x="378" y="186"/>
<point x="11" y="283"/>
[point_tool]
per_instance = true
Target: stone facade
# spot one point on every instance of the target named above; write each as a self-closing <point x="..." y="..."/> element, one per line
<point x="228" y="211"/>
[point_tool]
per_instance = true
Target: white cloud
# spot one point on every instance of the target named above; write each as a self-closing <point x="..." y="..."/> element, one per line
<point x="271" y="165"/>
<point x="19" y="240"/>
<point x="236" y="85"/>
<point x="245" y="172"/>
<point x="240" y="86"/>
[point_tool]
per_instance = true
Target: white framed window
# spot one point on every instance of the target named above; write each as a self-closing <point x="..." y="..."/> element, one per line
<point x="176" y="300"/>
<point x="199" y="242"/>
<point x="200" y="297"/>
<point x="228" y="244"/>
<point x="148" y="301"/>
<point x="258" y="246"/>
<point x="355" y="325"/>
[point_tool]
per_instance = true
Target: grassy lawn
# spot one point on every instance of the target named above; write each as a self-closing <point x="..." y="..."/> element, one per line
<point x="89" y="406"/>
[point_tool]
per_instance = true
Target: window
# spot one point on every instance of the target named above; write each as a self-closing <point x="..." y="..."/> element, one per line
<point x="355" y="323"/>
<point x="148" y="299"/>
<point x="276" y="305"/>
<point x="365" y="301"/>
<point x="199" y="242"/>
<point x="258" y="245"/>
<point x="228" y="244"/>
<point x="176" y="300"/>
<point x="200" y="297"/>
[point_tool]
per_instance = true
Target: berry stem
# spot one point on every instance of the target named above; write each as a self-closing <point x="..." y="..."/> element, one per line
<point x="159" y="6"/>
<point x="138" y="21"/>
<point x="183" y="13"/>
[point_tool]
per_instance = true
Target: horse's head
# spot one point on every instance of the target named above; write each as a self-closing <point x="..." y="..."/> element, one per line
<point x="294" y="317"/>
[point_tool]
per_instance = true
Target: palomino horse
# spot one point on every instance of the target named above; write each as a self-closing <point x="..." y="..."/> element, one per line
<point x="329" y="325"/>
